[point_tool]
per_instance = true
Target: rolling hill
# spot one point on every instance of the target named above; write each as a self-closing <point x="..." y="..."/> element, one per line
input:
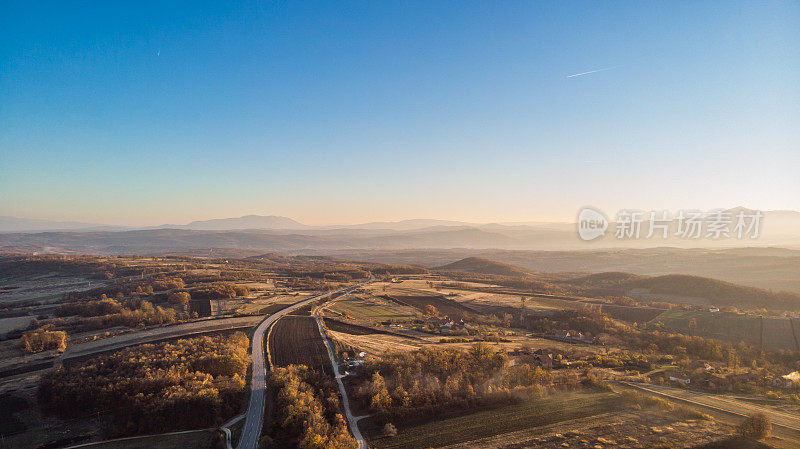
<point x="681" y="288"/>
<point x="484" y="266"/>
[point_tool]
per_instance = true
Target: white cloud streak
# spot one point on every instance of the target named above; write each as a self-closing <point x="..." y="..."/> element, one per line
<point x="591" y="71"/>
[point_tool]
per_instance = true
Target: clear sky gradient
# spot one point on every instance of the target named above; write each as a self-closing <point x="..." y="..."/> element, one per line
<point x="338" y="112"/>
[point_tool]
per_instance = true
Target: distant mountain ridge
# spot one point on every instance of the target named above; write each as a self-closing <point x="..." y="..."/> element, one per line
<point x="245" y="222"/>
<point x="275" y="233"/>
<point x="14" y="224"/>
<point x="669" y="287"/>
<point x="783" y="219"/>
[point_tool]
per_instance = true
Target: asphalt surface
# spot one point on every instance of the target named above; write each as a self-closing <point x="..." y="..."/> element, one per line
<point x="38" y="362"/>
<point x="351" y="420"/>
<point x="160" y="333"/>
<point x="254" y="418"/>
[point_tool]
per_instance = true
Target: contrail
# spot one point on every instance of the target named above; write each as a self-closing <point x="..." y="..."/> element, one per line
<point x="591" y="71"/>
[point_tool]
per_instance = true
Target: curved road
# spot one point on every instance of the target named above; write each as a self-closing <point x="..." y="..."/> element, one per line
<point x="47" y="360"/>
<point x="254" y="418"/>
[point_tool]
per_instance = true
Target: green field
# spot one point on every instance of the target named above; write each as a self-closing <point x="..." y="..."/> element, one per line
<point x="373" y="309"/>
<point x="481" y="424"/>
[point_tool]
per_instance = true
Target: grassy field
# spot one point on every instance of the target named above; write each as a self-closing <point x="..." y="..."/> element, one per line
<point x="485" y="423"/>
<point x="373" y="310"/>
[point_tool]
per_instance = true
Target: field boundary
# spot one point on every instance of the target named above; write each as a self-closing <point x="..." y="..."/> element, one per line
<point x="699" y="404"/>
<point x="115" y="440"/>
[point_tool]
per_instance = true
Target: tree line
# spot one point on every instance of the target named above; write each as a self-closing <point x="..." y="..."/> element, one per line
<point x="404" y="386"/>
<point x="186" y="384"/>
<point x="308" y="414"/>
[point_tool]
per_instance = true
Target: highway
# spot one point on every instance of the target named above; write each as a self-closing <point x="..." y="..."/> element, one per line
<point x="160" y="333"/>
<point x="254" y="418"/>
<point x="46" y="361"/>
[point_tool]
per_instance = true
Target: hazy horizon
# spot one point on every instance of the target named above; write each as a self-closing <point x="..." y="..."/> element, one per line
<point x="566" y="220"/>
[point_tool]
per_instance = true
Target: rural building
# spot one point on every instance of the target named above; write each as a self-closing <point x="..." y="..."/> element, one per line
<point x="543" y="358"/>
<point x="681" y="380"/>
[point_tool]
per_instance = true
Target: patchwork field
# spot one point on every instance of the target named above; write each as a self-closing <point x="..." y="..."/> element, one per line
<point x="721" y="325"/>
<point x="776" y="334"/>
<point x="631" y="314"/>
<point x="376" y="344"/>
<point x="268" y="304"/>
<point x="452" y="309"/>
<point x="372" y="310"/>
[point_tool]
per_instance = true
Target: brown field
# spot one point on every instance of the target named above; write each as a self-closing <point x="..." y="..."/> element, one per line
<point x="348" y="328"/>
<point x="631" y="314"/>
<point x="256" y="306"/>
<point x="376" y="344"/>
<point x="778" y="334"/>
<point x="445" y="306"/>
<point x="295" y="340"/>
<point x="567" y="419"/>
<point x="272" y="308"/>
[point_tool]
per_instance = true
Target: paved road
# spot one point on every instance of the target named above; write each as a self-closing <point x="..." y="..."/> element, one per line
<point x="160" y="333"/>
<point x="781" y="419"/>
<point x="351" y="420"/>
<point x="254" y="418"/>
<point x="37" y="361"/>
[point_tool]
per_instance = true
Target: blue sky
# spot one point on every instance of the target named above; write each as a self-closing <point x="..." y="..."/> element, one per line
<point x="340" y="112"/>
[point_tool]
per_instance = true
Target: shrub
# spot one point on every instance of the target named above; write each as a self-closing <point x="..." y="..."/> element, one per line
<point x="179" y="298"/>
<point x="170" y="283"/>
<point x="772" y="395"/>
<point x="104" y="306"/>
<point x="755" y="426"/>
<point x="389" y="430"/>
<point x="431" y="311"/>
<point x="43" y="340"/>
<point x="217" y="290"/>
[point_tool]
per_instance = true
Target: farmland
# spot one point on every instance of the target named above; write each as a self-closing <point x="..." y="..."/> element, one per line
<point x="562" y="420"/>
<point x="775" y="335"/>
<point x="201" y="439"/>
<point x="778" y="334"/>
<point x="521" y="400"/>
<point x="372" y="309"/>
<point x="446" y="307"/>
<point x="295" y="340"/>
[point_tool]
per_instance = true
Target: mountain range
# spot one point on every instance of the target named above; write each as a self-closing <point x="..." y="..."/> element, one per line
<point x="783" y="218"/>
<point x="255" y="234"/>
